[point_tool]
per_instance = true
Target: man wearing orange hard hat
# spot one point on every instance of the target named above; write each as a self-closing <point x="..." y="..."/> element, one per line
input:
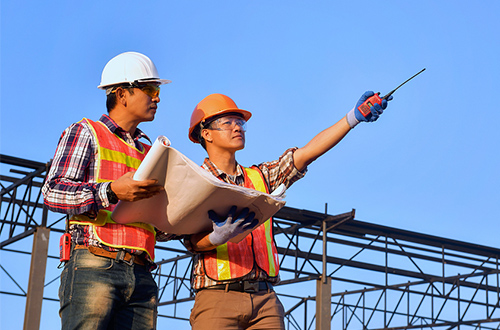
<point x="234" y="281"/>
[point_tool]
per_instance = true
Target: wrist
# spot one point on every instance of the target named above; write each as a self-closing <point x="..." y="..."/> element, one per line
<point x="112" y="198"/>
<point x="351" y="118"/>
<point x="213" y="239"/>
<point x="217" y="239"/>
<point x="199" y="243"/>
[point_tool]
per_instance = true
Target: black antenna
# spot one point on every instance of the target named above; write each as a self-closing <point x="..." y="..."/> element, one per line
<point x="390" y="93"/>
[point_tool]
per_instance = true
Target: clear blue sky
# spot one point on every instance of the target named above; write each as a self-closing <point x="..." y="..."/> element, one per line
<point x="430" y="164"/>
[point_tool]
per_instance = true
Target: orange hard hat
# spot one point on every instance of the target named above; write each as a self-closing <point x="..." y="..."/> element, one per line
<point x="211" y="106"/>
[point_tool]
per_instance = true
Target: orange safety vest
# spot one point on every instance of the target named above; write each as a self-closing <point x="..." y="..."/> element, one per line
<point x="115" y="157"/>
<point x="234" y="260"/>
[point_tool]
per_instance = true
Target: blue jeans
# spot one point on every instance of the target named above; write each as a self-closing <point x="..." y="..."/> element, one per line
<point x="99" y="293"/>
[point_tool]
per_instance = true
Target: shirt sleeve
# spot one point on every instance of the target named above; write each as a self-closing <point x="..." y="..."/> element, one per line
<point x="282" y="170"/>
<point x="70" y="187"/>
<point x="188" y="245"/>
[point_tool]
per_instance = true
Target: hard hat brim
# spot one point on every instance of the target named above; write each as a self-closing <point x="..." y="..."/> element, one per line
<point x="246" y="114"/>
<point x="155" y="80"/>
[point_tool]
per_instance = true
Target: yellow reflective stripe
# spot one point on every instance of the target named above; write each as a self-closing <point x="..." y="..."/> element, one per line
<point x="97" y="168"/>
<point x="223" y="268"/>
<point x="256" y="179"/>
<point x="270" y="255"/>
<point x="260" y="185"/>
<point x="119" y="157"/>
<point x="111" y="155"/>
<point x="103" y="217"/>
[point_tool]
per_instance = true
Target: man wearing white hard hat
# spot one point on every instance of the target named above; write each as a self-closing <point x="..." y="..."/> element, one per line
<point x="106" y="282"/>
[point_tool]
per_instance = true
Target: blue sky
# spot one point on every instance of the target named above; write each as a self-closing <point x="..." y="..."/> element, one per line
<point x="430" y="164"/>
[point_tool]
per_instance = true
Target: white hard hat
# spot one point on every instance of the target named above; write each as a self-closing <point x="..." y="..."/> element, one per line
<point x="129" y="67"/>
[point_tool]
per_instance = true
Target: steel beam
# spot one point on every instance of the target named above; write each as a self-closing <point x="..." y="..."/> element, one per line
<point x="34" y="296"/>
<point x="323" y="303"/>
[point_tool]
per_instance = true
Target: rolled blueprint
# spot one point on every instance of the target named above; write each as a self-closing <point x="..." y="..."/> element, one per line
<point x="149" y="168"/>
<point x="190" y="192"/>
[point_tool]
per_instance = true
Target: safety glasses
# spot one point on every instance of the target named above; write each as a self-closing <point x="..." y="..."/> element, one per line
<point x="228" y="124"/>
<point x="151" y="90"/>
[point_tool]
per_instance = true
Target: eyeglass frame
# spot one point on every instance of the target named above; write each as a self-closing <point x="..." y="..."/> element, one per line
<point x="237" y="120"/>
<point x="135" y="84"/>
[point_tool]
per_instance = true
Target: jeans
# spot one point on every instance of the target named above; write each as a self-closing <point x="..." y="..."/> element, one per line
<point x="98" y="293"/>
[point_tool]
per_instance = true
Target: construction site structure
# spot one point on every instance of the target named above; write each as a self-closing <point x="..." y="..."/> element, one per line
<point x="337" y="272"/>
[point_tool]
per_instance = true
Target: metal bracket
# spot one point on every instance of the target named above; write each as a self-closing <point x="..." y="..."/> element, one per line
<point x="120" y="257"/>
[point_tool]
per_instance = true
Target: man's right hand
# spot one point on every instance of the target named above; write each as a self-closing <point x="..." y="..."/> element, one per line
<point x="128" y="189"/>
<point x="231" y="226"/>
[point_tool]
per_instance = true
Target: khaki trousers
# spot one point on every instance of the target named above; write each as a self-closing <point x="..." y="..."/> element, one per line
<point x="233" y="310"/>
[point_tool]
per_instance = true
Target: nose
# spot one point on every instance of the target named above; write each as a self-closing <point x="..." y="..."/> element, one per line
<point x="156" y="99"/>
<point x="238" y="127"/>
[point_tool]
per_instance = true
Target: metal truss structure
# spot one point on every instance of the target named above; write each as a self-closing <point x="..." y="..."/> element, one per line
<point x="336" y="272"/>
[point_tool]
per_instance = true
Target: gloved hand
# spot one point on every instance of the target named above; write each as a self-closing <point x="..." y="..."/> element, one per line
<point x="230" y="226"/>
<point x="355" y="116"/>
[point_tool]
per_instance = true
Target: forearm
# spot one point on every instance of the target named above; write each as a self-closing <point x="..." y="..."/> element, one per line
<point x="200" y="242"/>
<point x="281" y="171"/>
<point x="321" y="143"/>
<point x="65" y="196"/>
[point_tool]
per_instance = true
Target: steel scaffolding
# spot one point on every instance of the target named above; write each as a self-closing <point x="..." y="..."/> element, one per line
<point x="336" y="272"/>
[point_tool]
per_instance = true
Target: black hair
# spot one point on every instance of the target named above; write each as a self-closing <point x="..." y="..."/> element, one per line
<point x="111" y="98"/>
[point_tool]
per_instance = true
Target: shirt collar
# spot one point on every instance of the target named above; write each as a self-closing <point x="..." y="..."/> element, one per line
<point x="115" y="129"/>
<point x="212" y="168"/>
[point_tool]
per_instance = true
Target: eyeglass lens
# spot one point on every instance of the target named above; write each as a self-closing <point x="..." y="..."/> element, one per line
<point x="151" y="90"/>
<point x="230" y="123"/>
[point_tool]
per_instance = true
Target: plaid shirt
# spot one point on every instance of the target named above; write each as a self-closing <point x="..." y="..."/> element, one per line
<point x="70" y="186"/>
<point x="275" y="173"/>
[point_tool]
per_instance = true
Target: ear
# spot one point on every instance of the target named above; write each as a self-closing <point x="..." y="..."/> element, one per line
<point x="206" y="134"/>
<point x="121" y="96"/>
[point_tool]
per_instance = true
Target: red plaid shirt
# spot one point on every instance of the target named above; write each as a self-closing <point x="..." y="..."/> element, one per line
<point x="275" y="173"/>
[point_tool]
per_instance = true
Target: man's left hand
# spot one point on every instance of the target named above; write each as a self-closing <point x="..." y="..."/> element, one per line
<point x="355" y="116"/>
<point x="231" y="226"/>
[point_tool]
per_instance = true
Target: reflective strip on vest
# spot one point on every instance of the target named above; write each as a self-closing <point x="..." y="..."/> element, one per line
<point x="115" y="157"/>
<point x="223" y="265"/>
<point x="235" y="260"/>
<point x="267" y="258"/>
<point x="131" y="238"/>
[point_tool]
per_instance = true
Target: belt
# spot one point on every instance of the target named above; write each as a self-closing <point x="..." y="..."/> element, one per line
<point x="243" y="286"/>
<point x="121" y="255"/>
